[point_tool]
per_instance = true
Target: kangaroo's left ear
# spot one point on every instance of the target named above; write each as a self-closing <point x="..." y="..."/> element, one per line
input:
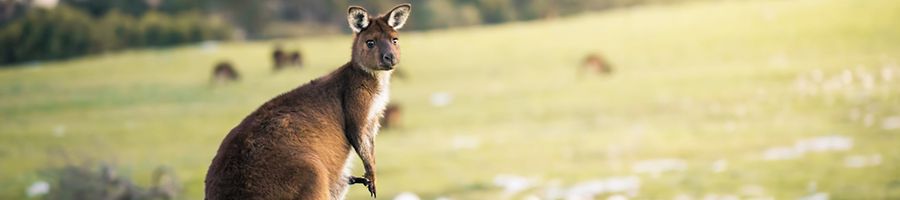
<point x="397" y="17"/>
<point x="358" y="18"/>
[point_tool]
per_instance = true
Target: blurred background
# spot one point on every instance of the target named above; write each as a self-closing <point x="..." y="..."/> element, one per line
<point x="493" y="99"/>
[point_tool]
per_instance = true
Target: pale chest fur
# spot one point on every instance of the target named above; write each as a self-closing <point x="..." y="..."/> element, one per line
<point x="379" y="100"/>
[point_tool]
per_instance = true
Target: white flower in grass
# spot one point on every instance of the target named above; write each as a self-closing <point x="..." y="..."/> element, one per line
<point x="824" y="144"/>
<point x="513" y="184"/>
<point x="617" y="197"/>
<point x="441" y="99"/>
<point x="38" y="188"/>
<point x="590" y="189"/>
<point x="719" y="166"/>
<point x="59" y="130"/>
<point x="656" y="167"/>
<point x="781" y="153"/>
<point x="890" y="123"/>
<point x="816" y="196"/>
<point x="753" y="191"/>
<point x="720" y="197"/>
<point x="682" y="196"/>
<point x="406" y="196"/>
<point x="859" y="161"/>
<point x="887" y="73"/>
<point x="465" y="142"/>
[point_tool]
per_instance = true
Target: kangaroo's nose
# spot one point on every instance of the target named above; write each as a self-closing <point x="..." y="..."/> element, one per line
<point x="388" y="59"/>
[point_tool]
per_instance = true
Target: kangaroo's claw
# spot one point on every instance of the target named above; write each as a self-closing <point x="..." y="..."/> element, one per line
<point x="354" y="180"/>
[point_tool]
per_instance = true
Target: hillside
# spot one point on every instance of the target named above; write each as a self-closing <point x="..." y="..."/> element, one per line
<point x="780" y="99"/>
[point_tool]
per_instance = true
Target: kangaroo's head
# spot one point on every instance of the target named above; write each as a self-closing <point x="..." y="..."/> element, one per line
<point x="375" y="42"/>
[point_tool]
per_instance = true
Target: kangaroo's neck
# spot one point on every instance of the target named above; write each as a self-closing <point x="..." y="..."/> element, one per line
<point x="373" y="86"/>
<point x="381" y="97"/>
<point x="370" y="81"/>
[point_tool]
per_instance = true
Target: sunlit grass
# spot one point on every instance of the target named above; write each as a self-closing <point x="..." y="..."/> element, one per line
<point x="700" y="83"/>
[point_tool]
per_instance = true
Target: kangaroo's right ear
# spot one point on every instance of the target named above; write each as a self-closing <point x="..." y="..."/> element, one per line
<point x="358" y="18"/>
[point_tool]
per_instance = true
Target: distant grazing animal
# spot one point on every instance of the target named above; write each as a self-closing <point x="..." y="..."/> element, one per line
<point x="224" y="72"/>
<point x="297" y="59"/>
<point x="279" y="57"/>
<point x="298" y="145"/>
<point x="391" y="117"/>
<point x="595" y="64"/>
<point x="283" y="59"/>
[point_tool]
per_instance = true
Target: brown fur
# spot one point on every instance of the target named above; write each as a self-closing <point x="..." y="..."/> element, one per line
<point x="595" y="64"/>
<point x="225" y="72"/>
<point x="296" y="145"/>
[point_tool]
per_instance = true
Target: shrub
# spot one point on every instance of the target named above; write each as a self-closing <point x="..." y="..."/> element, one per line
<point x="65" y="32"/>
<point x="49" y="34"/>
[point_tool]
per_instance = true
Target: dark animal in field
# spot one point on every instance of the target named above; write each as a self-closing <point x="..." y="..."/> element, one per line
<point x="297" y="59"/>
<point x="224" y="72"/>
<point x="297" y="145"/>
<point x="284" y="59"/>
<point x="391" y="117"/>
<point x="596" y="64"/>
<point x="279" y="57"/>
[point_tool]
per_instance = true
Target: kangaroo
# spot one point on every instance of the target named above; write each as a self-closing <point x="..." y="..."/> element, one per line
<point x="392" y="115"/>
<point x="279" y="57"/>
<point x="594" y="63"/>
<point x="224" y="72"/>
<point x="298" y="145"/>
<point x="297" y="59"/>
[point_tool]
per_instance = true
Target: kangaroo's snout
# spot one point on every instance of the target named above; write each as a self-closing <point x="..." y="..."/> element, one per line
<point x="388" y="60"/>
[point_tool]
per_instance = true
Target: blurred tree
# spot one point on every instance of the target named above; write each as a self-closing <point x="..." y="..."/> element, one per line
<point x="496" y="11"/>
<point x="63" y="32"/>
<point x="93" y="7"/>
<point x="122" y="27"/>
<point x="180" y="6"/>
<point x="251" y="16"/>
<point x="426" y="13"/>
<point x="49" y="34"/>
<point x="99" y="8"/>
<point x="10" y="10"/>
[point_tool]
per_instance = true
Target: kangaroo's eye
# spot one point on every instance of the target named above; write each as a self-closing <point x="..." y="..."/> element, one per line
<point x="394" y="40"/>
<point x="370" y="43"/>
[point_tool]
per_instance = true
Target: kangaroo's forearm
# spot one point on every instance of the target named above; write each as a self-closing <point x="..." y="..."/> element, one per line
<point x="366" y="152"/>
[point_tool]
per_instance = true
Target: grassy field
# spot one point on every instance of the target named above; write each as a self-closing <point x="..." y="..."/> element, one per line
<point x="747" y="99"/>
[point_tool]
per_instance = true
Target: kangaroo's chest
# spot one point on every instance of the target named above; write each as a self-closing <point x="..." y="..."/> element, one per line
<point x="379" y="101"/>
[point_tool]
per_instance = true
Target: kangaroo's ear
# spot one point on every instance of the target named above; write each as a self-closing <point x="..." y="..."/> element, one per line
<point x="397" y="17"/>
<point x="358" y="18"/>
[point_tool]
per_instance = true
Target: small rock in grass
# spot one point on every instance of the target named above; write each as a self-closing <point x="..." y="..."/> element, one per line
<point x="891" y="123"/>
<point x="406" y="196"/>
<point x="859" y="161"/>
<point x="816" y="196"/>
<point x="441" y="99"/>
<point x="38" y="188"/>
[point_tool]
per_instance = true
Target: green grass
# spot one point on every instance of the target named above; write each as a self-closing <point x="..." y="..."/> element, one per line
<point x="699" y="82"/>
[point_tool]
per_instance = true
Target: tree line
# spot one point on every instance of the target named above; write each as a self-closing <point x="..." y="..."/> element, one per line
<point x="79" y="27"/>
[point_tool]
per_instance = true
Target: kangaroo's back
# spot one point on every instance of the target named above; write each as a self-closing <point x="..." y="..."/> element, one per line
<point x="284" y="148"/>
